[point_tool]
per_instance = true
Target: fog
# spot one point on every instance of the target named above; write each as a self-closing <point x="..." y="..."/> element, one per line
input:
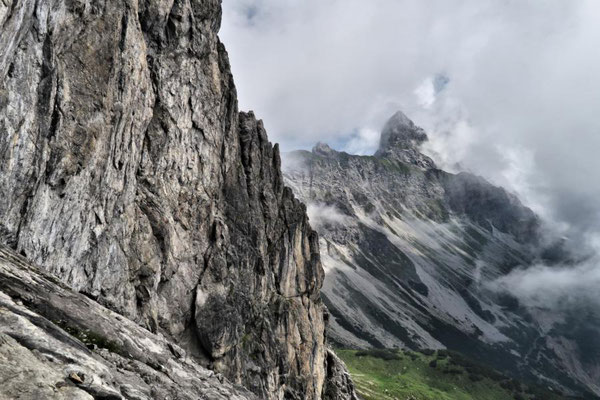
<point x="322" y="215"/>
<point x="509" y="90"/>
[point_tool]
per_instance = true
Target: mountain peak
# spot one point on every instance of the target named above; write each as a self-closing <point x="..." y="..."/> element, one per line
<point x="399" y="118"/>
<point x="400" y="131"/>
<point x="322" y="148"/>
<point x="401" y="139"/>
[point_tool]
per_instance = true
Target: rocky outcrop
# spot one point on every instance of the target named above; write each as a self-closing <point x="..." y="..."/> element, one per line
<point x="129" y="174"/>
<point x="58" y="344"/>
<point x="411" y="254"/>
<point x="400" y="139"/>
<point x="339" y="385"/>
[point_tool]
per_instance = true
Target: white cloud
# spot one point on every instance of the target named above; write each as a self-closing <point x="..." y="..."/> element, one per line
<point x="365" y="142"/>
<point x="521" y="107"/>
<point x="554" y="288"/>
<point x="523" y="76"/>
<point x="321" y="215"/>
<point x="425" y="93"/>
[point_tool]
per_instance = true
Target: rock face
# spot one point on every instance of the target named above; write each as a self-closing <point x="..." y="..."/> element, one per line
<point x="54" y="344"/>
<point x="339" y="385"/>
<point x="128" y="173"/>
<point x="411" y="254"/>
<point x="400" y="140"/>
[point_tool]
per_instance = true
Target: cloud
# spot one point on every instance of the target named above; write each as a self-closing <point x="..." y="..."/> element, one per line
<point x="554" y="288"/>
<point x="522" y="77"/>
<point x="322" y="215"/>
<point x="426" y="93"/>
<point x="363" y="142"/>
<point x="519" y="104"/>
<point x="429" y="89"/>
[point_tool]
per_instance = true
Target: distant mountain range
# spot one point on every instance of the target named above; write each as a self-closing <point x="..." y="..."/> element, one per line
<point x="410" y="252"/>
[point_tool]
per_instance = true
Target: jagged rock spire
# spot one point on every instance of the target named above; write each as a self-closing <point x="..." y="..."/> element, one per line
<point x="401" y="139"/>
<point x="322" y="148"/>
<point x="399" y="130"/>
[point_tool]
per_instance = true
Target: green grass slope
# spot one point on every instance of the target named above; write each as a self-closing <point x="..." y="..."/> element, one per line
<point x="441" y="375"/>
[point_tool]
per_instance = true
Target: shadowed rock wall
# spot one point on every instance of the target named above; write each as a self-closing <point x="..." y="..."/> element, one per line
<point x="128" y="172"/>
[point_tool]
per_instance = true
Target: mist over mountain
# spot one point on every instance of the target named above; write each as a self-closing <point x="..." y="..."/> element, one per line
<point x="506" y="90"/>
<point x="156" y="245"/>
<point x="416" y="257"/>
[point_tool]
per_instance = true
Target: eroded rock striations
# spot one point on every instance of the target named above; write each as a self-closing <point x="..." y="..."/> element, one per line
<point x="58" y="344"/>
<point x="128" y="173"/>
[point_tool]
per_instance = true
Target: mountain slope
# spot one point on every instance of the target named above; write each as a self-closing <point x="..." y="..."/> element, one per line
<point x="410" y="252"/>
<point x="441" y="375"/>
<point x="58" y="344"/>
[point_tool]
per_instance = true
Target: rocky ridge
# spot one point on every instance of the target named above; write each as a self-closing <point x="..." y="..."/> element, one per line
<point x="411" y="254"/>
<point x="130" y="175"/>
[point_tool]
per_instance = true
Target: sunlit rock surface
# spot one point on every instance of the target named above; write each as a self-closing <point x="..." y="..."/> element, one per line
<point x="128" y="173"/>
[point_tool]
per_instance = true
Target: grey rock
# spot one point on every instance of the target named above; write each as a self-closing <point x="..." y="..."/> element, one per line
<point x="400" y="139"/>
<point x="129" y="174"/>
<point x="339" y="385"/>
<point x="490" y="206"/>
<point x="46" y="332"/>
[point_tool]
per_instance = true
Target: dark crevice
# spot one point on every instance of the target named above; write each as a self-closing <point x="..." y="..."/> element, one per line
<point x="170" y="29"/>
<point x="124" y="25"/>
<point x="10" y="13"/>
<point x="194" y="346"/>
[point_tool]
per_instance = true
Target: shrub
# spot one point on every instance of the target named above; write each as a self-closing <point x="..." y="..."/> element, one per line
<point x="453" y="371"/>
<point x="433" y="364"/>
<point x="384" y="354"/>
<point x="428" y="352"/>
<point x="511" y="385"/>
<point x="441" y="354"/>
<point x="472" y="367"/>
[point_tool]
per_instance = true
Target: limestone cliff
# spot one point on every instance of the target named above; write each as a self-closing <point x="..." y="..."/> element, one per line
<point x="128" y="173"/>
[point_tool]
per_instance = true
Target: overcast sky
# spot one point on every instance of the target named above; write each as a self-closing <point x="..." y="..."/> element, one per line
<point x="508" y="89"/>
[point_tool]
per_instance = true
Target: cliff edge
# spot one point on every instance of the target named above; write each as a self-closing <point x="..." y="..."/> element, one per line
<point x="129" y="174"/>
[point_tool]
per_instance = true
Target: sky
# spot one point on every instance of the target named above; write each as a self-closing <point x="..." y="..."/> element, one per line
<point x="506" y="89"/>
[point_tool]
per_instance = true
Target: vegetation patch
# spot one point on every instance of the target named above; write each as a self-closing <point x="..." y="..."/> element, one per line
<point x="91" y="339"/>
<point x="382" y="374"/>
<point x="384" y="354"/>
